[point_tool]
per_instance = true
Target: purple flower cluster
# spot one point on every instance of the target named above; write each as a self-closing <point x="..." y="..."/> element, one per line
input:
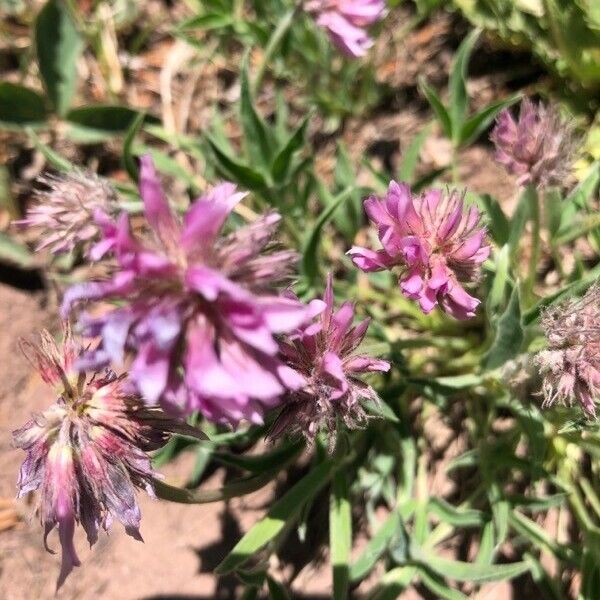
<point x="437" y="242"/>
<point x="198" y="310"/>
<point x="538" y="147"/>
<point x="87" y="453"/>
<point x="324" y="353"/>
<point x="570" y="366"/>
<point x="346" y="22"/>
<point x="63" y="213"/>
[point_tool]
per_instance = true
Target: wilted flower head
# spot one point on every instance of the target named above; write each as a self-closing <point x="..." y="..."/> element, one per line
<point x="346" y="22"/>
<point x="64" y="213"/>
<point x="88" y="451"/>
<point x="324" y="352"/>
<point x="571" y="365"/>
<point x="438" y="243"/>
<point x="538" y="147"/>
<point x="198" y="310"/>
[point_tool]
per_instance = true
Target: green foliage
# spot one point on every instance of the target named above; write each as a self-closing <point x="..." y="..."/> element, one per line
<point x="565" y="34"/>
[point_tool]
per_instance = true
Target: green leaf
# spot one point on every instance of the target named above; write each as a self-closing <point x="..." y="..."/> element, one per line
<point x="206" y="22"/>
<point x="128" y="159"/>
<point x="236" y="171"/>
<point x="537" y="535"/>
<point x="436" y="585"/>
<point x="496" y="297"/>
<point x="455" y="516"/>
<point x="53" y="157"/>
<point x="457" y="85"/>
<point x="498" y="224"/>
<point x="282" y="163"/>
<point x="259" y="463"/>
<point x="509" y="334"/>
<point x="438" y="108"/>
<point x="257" y="138"/>
<point x="58" y="46"/>
<point x="310" y="266"/>
<point x="486" y="545"/>
<point x="393" y="583"/>
<point x="519" y="219"/>
<point x="410" y="157"/>
<point x="590" y="570"/>
<point x="20" y="106"/>
<point x="478" y="123"/>
<point x="375" y="548"/>
<point x="15" y="253"/>
<point x="106" y="119"/>
<point x="464" y="571"/>
<point x="380" y="409"/>
<point x="283" y="512"/>
<point x="340" y="535"/>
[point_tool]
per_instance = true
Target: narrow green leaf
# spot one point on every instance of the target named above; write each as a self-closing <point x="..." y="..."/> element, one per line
<point x="438" y="108"/>
<point x="519" y="219"/>
<point x="455" y="516"/>
<point x="381" y="409"/>
<point x="283" y="161"/>
<point x="106" y="118"/>
<point x="20" y="106"/>
<point x="53" y="157"/>
<point x="497" y="292"/>
<point x="236" y="171"/>
<point x="257" y="138"/>
<point x="310" y="266"/>
<point x="15" y="253"/>
<point x="58" y="46"/>
<point x="464" y="571"/>
<point x="393" y="583"/>
<point x="486" y="545"/>
<point x="537" y="535"/>
<point x="457" y="85"/>
<point x="436" y="585"/>
<point x="128" y="159"/>
<point x="340" y="535"/>
<point x="474" y="126"/>
<point x="284" y="511"/>
<point x="410" y="157"/>
<point x="509" y="334"/>
<point x="498" y="224"/>
<point x="259" y="463"/>
<point x="207" y="22"/>
<point x="375" y="548"/>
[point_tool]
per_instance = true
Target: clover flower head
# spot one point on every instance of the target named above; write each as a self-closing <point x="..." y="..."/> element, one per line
<point x="438" y="243"/>
<point x="199" y="311"/>
<point x="63" y="213"/>
<point x="538" y="147"/>
<point x="87" y="452"/>
<point x="346" y="21"/>
<point x="570" y="366"/>
<point x="324" y="353"/>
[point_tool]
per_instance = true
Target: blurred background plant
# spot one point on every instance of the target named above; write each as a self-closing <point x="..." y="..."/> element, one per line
<point x="460" y="478"/>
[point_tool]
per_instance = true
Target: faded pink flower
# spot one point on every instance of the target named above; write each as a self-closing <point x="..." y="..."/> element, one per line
<point x="538" y="147"/>
<point x="324" y="352"/>
<point x="437" y="242"/>
<point x="571" y="365"/>
<point x="199" y="311"/>
<point x="346" y="22"/>
<point x="87" y="453"/>
<point x="63" y="213"/>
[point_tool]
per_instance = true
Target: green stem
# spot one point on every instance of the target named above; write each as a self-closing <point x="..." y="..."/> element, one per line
<point x="273" y="45"/>
<point x="534" y="258"/>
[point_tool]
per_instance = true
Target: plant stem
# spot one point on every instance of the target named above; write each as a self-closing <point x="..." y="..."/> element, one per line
<point x="534" y="258"/>
<point x="273" y="45"/>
